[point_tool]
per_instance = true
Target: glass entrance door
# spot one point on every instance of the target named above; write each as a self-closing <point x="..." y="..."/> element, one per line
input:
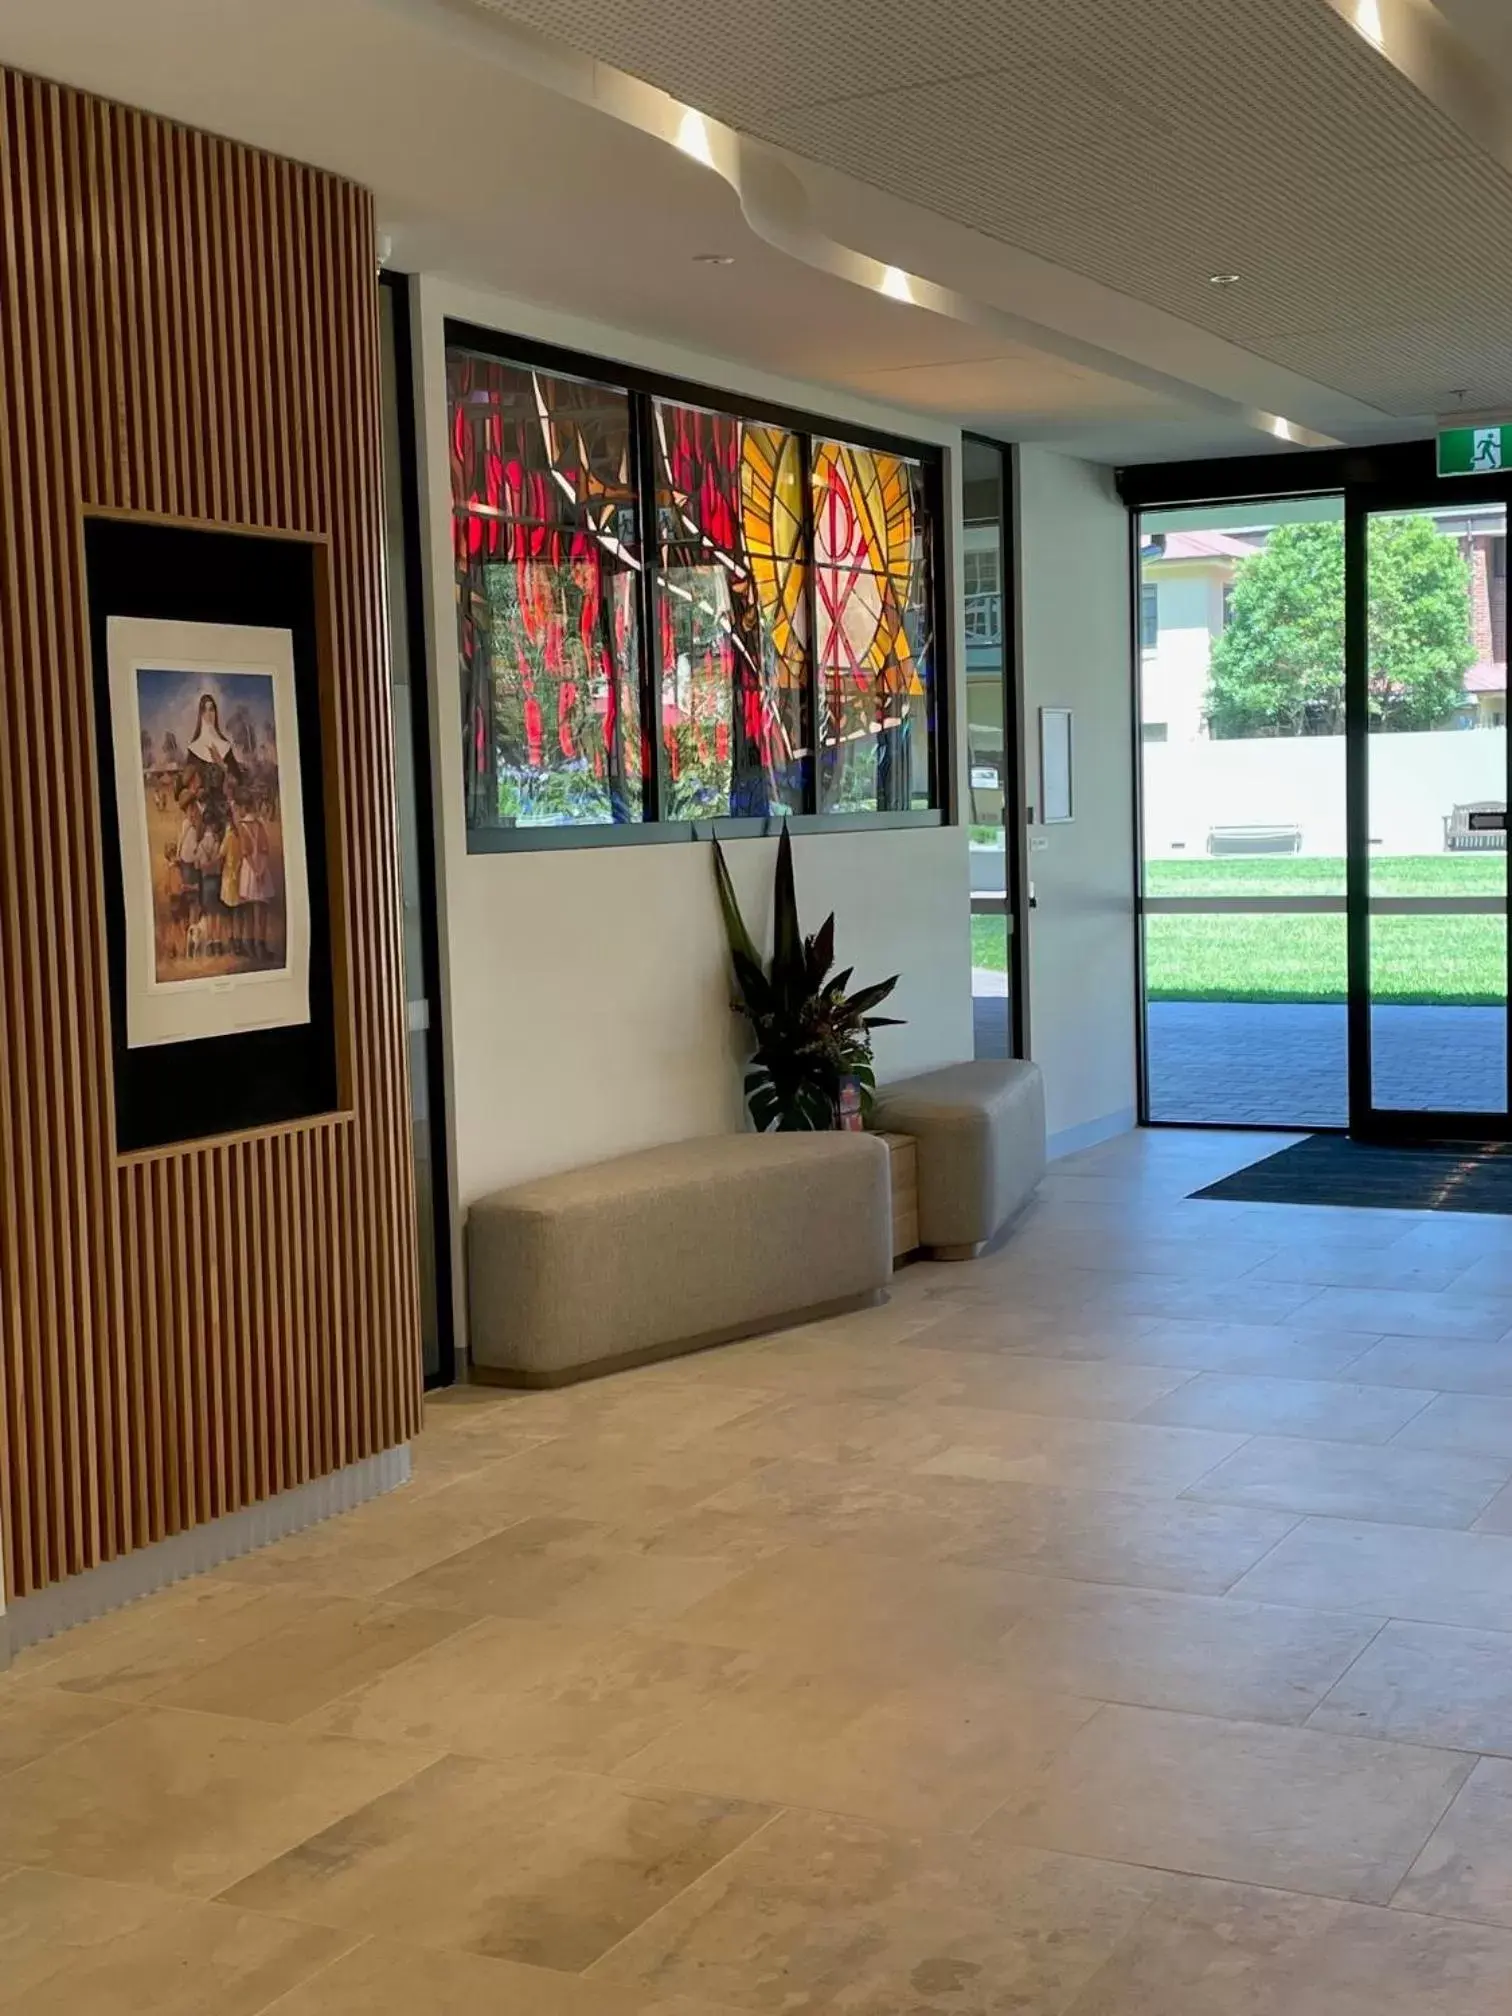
<point x="1426" y="652"/>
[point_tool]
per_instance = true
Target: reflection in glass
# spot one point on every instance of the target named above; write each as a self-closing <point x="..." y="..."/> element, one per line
<point x="873" y="596"/>
<point x="546" y="548"/>
<point x="732" y="615"/>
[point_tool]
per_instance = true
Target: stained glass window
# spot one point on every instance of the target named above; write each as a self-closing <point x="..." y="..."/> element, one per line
<point x="732" y="617"/>
<point x="547" y="562"/>
<point x="671" y="613"/>
<point x="873" y="595"/>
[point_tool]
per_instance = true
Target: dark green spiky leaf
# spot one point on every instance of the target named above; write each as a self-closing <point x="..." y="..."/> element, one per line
<point x="735" y="930"/>
<point x="883" y="1022"/>
<point x="787" y="937"/>
<point x="755" y="988"/>
<point x="868" y="997"/>
<point x="819" y="952"/>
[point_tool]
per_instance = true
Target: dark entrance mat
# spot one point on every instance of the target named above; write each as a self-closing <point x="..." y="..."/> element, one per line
<point x="1332" y="1169"/>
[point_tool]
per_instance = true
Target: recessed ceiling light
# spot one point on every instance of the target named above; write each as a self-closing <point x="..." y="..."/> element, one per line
<point x="1223" y="279"/>
<point x="895" y="284"/>
<point x="713" y="258"/>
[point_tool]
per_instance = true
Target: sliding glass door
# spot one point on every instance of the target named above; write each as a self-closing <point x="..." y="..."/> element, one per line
<point x="1324" y="788"/>
<point x="1242" y="776"/>
<point x="1429" y="792"/>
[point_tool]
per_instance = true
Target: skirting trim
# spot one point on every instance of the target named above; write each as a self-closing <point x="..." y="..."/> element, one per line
<point x="81" y="1597"/>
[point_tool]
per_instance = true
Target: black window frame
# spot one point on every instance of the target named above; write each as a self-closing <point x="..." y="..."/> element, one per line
<point x="642" y="388"/>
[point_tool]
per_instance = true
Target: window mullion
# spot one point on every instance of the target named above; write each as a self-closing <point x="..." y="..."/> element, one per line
<point x="811" y="694"/>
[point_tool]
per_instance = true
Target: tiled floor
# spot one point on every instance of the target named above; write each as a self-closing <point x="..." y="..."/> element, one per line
<point x="1118" y="1626"/>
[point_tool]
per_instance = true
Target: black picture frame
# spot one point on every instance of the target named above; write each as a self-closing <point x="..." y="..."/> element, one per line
<point x="152" y="569"/>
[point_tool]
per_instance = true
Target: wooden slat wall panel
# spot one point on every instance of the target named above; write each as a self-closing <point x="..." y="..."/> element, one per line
<point x="187" y="329"/>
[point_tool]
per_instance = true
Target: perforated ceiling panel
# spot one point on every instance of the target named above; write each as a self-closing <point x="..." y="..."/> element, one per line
<point x="1144" y="144"/>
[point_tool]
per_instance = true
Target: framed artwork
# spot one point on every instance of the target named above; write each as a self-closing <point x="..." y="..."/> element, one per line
<point x="218" y="843"/>
<point x="210" y="828"/>
<point x="1056" y="800"/>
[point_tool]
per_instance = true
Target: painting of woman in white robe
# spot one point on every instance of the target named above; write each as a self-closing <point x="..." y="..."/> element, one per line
<point x="213" y="802"/>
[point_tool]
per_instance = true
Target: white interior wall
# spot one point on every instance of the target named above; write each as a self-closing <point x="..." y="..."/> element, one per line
<point x="586" y="990"/>
<point x="1072" y="537"/>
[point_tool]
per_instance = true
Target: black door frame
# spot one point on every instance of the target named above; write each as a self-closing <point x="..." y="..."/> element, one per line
<point x="419" y="729"/>
<point x="1397" y="476"/>
<point x="1014" y="776"/>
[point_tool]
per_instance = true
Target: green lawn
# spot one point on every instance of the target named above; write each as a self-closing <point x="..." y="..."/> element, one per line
<point x="1460" y="960"/>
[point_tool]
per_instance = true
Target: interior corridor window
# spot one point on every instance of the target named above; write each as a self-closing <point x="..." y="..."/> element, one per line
<point x="547" y="558"/>
<point x="874" y="592"/>
<point x="732" y="615"/>
<point x="672" y="613"/>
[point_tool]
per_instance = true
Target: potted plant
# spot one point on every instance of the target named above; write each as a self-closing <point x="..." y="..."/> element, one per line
<point x="811" y="1036"/>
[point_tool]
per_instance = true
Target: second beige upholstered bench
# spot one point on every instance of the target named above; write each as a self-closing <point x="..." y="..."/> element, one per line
<point x="673" y="1248"/>
<point x="980" y="1134"/>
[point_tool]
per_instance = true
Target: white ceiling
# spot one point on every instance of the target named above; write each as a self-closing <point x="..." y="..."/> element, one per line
<point x="1068" y="173"/>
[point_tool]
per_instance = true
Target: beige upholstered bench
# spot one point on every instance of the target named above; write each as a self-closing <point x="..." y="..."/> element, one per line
<point x="980" y="1130"/>
<point x="674" y="1248"/>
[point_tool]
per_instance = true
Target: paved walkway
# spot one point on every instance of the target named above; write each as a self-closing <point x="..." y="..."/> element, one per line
<point x="1283" y="1063"/>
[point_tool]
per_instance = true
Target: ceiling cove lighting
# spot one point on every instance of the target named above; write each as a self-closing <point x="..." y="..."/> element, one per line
<point x="1282" y="429"/>
<point x="693" y="138"/>
<point x="1367" y="20"/>
<point x="895" y="285"/>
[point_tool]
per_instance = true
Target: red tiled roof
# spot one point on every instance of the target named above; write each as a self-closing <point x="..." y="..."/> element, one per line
<point x="1486" y="678"/>
<point x="1207" y="546"/>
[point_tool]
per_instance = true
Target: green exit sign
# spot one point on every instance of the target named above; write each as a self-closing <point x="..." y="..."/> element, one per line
<point x="1474" y="451"/>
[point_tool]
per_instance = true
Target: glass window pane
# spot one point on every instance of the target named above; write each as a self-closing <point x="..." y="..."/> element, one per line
<point x="732" y="614"/>
<point x="1242" y="755"/>
<point x="986" y="747"/>
<point x="1437" y="758"/>
<point x="547" y="559"/>
<point x="873" y="556"/>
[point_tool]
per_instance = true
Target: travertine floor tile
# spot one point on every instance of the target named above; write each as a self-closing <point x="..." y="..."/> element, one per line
<point x="186" y="1802"/>
<point x="517" y="1689"/>
<point x="36" y="1719"/>
<point x="1293" y="1808"/>
<point x="1325" y="1409"/>
<point x="1427" y="1683"/>
<point x="830" y="1608"/>
<point x="1468" y="1424"/>
<point x="1105" y="1536"/>
<point x="382" y="1977"/>
<point x="1451" y="1364"/>
<point x="70" y="1946"/>
<point x="130" y="1653"/>
<point x="1406" y="1312"/>
<point x="939" y="1755"/>
<point x="1465" y="1871"/>
<point x="1351" y="1480"/>
<point x="830" y="1917"/>
<point x="293" y="1670"/>
<point x="1084" y="1389"/>
<point x="999" y="1447"/>
<point x="1212" y="1655"/>
<point x="566" y="1570"/>
<point x="1415" y="1572"/>
<point x="1218" y="1949"/>
<point x="1265" y="1349"/>
<point x="549" y="1868"/>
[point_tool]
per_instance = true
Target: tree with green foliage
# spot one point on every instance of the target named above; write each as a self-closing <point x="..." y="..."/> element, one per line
<point x="1278" y="668"/>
